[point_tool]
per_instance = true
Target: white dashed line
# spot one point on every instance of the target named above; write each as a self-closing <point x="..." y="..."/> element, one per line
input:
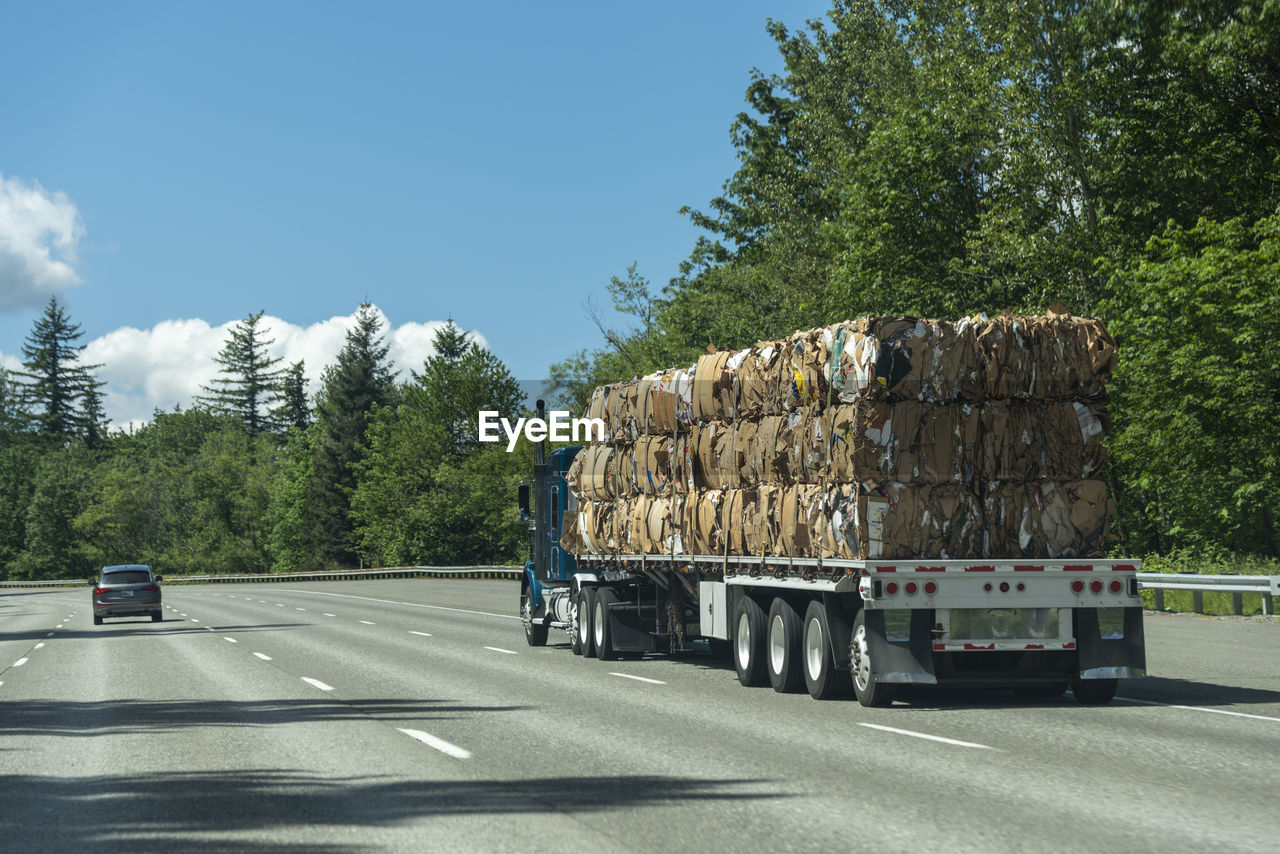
<point x="367" y="623"/>
<point x="208" y="628"/>
<point x="316" y="683"/>
<point x="438" y="743"/>
<point x="39" y="645"/>
<point x="423" y="634"/>
<point x="299" y="609"/>
<point x="263" y="657"/>
<point x="499" y="649"/>
<point x="639" y="678"/>
<point x="229" y="640"/>
<point x="331" y="615"/>
<point x="20" y="662"/>
<point x="49" y="635"/>
<point x="926" y="735"/>
<point x="182" y="614"/>
<point x="1198" y="709"/>
<point x="279" y="604"/>
<point x="410" y="604"/>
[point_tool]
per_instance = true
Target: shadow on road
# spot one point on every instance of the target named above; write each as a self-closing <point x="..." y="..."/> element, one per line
<point x="153" y="813"/>
<point x="111" y="717"/>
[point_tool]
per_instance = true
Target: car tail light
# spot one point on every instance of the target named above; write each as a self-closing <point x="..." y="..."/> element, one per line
<point x="1117" y="586"/>
<point x="152" y="587"/>
<point x="100" y="590"/>
<point x="1077" y="586"/>
<point x="1095" y="586"/>
<point x="891" y="588"/>
<point x="911" y="587"/>
<point x="930" y="588"/>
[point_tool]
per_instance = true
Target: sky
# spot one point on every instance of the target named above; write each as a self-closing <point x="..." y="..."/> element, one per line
<point x="169" y="168"/>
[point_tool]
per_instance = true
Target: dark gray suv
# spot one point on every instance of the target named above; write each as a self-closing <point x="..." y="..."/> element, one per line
<point x="126" y="591"/>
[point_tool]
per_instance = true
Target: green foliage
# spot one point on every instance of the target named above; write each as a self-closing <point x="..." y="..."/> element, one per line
<point x="248" y="381"/>
<point x="1195" y="446"/>
<point x="48" y="550"/>
<point x="54" y="383"/>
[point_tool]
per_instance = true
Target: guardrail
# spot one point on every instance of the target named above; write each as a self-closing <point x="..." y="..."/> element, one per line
<point x="504" y="572"/>
<point x="1268" y="586"/>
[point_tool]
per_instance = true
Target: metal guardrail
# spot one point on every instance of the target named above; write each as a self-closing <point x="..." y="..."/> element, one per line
<point x="503" y="572"/>
<point x="1268" y="586"/>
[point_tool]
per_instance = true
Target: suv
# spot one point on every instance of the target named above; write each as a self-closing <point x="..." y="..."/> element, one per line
<point x="125" y="591"/>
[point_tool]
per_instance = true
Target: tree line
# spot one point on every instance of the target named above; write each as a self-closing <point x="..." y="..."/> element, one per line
<point x="256" y="476"/>
<point x="941" y="158"/>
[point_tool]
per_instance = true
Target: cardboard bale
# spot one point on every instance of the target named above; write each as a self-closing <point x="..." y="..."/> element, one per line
<point x="1047" y="519"/>
<point x="701" y="522"/>
<point x="713" y="386"/>
<point x="1058" y="440"/>
<point x="714" y="455"/>
<point x="900" y="520"/>
<point x="594" y="473"/>
<point x="570" y="539"/>
<point x="664" y="402"/>
<point x="806" y="382"/>
<point x="647" y="465"/>
<point x="1051" y="357"/>
<point x="760" y="520"/>
<point x="903" y="358"/>
<point x="761" y="380"/>
<point x="907" y="441"/>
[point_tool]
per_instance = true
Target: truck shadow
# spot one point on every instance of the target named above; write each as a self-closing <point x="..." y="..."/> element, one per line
<point x="1152" y="689"/>
<point x="153" y="812"/>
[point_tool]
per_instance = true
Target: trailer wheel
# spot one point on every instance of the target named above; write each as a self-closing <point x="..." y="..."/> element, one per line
<point x="869" y="690"/>
<point x="605" y="597"/>
<point x="575" y="640"/>
<point x="821" y="677"/>
<point x="586" y="607"/>
<point x="783" y="645"/>
<point x="748" y="642"/>
<point x="535" y="634"/>
<point x="1094" y="692"/>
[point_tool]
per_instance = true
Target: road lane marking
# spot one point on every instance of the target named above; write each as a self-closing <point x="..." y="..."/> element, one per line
<point x="367" y="623"/>
<point x="208" y="628"/>
<point x="424" y="634"/>
<point x="263" y="657"/>
<point x="438" y="743"/>
<point x="410" y="604"/>
<point x="639" y="678"/>
<point x="39" y="645"/>
<point x="956" y="742"/>
<point x="1198" y="709"/>
<point x="500" y="649"/>
<point x="331" y="615"/>
<point x="316" y="683"/>
<point x="229" y="640"/>
<point x="279" y="604"/>
<point x="193" y="619"/>
<point x="182" y="614"/>
<point x="20" y="662"/>
<point x="299" y="609"/>
<point x="262" y="601"/>
<point x="49" y="635"/>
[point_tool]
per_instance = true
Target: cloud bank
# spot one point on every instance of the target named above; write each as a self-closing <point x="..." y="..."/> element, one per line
<point x="166" y="365"/>
<point x="39" y="234"/>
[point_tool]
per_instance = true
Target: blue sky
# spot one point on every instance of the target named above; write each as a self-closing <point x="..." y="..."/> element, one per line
<point x="192" y="163"/>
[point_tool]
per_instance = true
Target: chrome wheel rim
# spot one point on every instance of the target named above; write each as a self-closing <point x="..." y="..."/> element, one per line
<point x="583" y="637"/>
<point x="777" y="644"/>
<point x="742" y="642"/>
<point x="814" y="649"/>
<point x="861" y="660"/>
<point x="599" y="624"/>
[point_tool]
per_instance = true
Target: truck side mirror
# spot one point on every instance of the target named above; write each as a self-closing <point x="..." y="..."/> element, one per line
<point x="523" y="494"/>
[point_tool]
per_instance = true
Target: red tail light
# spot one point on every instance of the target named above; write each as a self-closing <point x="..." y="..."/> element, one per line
<point x="1116" y="587"/>
<point x="930" y="588"/>
<point x="99" y="590"/>
<point x="1095" y="586"/>
<point x="911" y="587"/>
<point x="1077" y="586"/>
<point x="152" y="587"/>
<point x="891" y="588"/>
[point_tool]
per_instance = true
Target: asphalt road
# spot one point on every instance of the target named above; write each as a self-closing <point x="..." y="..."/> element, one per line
<point x="410" y="715"/>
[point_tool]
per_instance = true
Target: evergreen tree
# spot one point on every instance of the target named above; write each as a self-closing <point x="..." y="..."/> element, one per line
<point x="293" y="413"/>
<point x="248" y="381"/>
<point x="54" y="382"/>
<point x="355" y="386"/>
<point x="14" y="418"/>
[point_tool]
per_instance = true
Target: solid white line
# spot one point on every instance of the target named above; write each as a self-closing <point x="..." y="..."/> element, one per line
<point x="1198" y="709"/>
<point x="639" y="678"/>
<point x="438" y="743"/>
<point x="229" y="640"/>
<point x="367" y="623"/>
<point x="316" y="683"/>
<point x="925" y="735"/>
<point x="499" y="649"/>
<point x="410" y="604"/>
<point x="263" y="657"/>
<point x="424" y="634"/>
<point x="20" y="662"/>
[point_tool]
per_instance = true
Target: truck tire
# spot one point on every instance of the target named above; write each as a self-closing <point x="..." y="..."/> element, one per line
<point x="535" y="634"/>
<point x="748" y="642"/>
<point x="1094" y="692"/>
<point x="575" y="642"/>
<point x="586" y="607"/>
<point x="600" y="625"/>
<point x="783" y="647"/>
<point x="866" y="687"/>
<point x="821" y="677"/>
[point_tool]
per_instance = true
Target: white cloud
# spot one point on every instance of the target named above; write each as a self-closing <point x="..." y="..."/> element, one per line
<point x="39" y="233"/>
<point x="165" y="366"/>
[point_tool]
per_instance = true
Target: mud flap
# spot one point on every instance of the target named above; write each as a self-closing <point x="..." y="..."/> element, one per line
<point x="1116" y="658"/>
<point x="896" y="663"/>
<point x="534" y="588"/>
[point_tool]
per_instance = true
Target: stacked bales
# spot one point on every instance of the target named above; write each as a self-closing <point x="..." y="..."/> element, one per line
<point x="877" y="437"/>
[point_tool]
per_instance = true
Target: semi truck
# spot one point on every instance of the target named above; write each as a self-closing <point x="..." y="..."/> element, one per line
<point x="832" y="627"/>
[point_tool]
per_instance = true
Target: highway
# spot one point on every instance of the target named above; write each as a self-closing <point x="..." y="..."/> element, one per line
<point x="409" y="715"/>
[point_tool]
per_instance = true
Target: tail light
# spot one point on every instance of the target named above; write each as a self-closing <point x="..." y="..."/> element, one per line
<point x="1077" y="586"/>
<point x="1117" y="586"/>
<point x="100" y="590"/>
<point x="891" y="588"/>
<point x="1095" y="586"/>
<point x="152" y="587"/>
<point x="911" y="587"/>
<point x="930" y="588"/>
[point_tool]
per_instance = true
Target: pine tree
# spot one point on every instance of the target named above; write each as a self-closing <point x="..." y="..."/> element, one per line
<point x="248" y="381"/>
<point x="293" y="413"/>
<point x="54" y="382"/>
<point x="354" y="387"/>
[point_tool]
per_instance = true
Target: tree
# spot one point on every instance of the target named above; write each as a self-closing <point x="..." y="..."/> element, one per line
<point x="48" y="548"/>
<point x="54" y="382"/>
<point x="354" y="387"/>
<point x="248" y="381"/>
<point x="293" y="413"/>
